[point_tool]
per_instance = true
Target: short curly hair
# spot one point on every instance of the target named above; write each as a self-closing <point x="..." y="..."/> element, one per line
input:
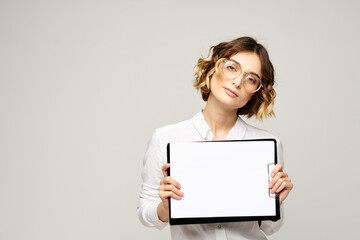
<point x="262" y="102"/>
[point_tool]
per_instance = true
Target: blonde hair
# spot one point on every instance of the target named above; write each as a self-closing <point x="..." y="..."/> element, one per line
<point x="262" y="102"/>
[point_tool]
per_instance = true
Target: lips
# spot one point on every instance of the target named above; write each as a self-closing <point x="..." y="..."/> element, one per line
<point x="231" y="92"/>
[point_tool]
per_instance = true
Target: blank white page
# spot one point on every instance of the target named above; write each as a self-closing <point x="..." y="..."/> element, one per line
<point x="222" y="179"/>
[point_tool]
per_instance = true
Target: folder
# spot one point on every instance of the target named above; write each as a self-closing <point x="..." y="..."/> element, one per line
<point x="223" y="181"/>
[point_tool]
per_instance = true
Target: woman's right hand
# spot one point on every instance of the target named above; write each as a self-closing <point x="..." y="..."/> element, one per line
<point x="168" y="188"/>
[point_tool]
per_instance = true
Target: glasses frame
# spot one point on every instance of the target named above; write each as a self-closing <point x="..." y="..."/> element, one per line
<point x="225" y="60"/>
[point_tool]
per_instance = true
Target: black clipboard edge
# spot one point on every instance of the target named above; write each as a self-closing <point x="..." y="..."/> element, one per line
<point x="168" y="172"/>
<point x="183" y="221"/>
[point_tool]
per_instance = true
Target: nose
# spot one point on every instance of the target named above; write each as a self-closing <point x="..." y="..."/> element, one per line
<point x="237" y="81"/>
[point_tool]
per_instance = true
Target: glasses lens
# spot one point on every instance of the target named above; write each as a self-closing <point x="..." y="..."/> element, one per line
<point x="252" y="83"/>
<point x="231" y="69"/>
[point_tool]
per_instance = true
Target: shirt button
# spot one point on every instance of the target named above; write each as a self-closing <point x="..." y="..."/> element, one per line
<point x="219" y="226"/>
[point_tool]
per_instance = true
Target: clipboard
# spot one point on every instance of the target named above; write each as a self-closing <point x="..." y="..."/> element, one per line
<point x="223" y="181"/>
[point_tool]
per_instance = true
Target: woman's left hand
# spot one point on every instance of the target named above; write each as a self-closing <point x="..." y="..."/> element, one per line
<point x="280" y="183"/>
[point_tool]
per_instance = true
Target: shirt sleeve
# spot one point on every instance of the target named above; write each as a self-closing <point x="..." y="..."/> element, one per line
<point x="151" y="175"/>
<point x="270" y="227"/>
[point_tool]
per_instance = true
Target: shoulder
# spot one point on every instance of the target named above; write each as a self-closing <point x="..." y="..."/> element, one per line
<point x="173" y="127"/>
<point x="156" y="147"/>
<point x="176" y="131"/>
<point x="254" y="132"/>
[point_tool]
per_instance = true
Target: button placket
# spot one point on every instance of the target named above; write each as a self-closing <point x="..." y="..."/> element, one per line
<point x="220" y="232"/>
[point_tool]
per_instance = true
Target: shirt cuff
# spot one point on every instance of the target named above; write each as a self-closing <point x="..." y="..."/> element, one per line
<point x="154" y="218"/>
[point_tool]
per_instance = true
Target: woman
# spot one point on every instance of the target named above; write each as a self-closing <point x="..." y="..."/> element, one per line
<point x="236" y="79"/>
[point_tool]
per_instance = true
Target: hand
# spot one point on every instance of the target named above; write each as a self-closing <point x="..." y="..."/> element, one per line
<point x="168" y="188"/>
<point x="280" y="183"/>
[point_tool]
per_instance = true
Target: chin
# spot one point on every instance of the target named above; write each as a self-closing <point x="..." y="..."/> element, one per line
<point x="231" y="105"/>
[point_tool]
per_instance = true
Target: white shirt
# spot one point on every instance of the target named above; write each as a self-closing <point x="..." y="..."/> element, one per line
<point x="196" y="129"/>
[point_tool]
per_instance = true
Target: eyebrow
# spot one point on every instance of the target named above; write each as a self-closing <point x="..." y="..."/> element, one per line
<point x="247" y="72"/>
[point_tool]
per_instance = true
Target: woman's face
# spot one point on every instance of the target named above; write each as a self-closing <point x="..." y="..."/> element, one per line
<point x="230" y="93"/>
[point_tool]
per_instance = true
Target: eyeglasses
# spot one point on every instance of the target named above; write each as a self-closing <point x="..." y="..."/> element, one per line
<point x="232" y="69"/>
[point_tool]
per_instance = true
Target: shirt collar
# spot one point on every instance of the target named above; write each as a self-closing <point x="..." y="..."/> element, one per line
<point x="236" y="133"/>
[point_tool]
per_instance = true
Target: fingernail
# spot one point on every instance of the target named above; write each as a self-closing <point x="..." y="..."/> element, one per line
<point x="270" y="185"/>
<point x="273" y="174"/>
<point x="179" y="186"/>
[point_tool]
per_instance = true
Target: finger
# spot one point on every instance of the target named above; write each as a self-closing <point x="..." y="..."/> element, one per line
<point x="282" y="186"/>
<point x="277" y="168"/>
<point x="173" y="189"/>
<point x="165" y="194"/>
<point x="276" y="178"/>
<point x="277" y="185"/>
<point x="164" y="169"/>
<point x="173" y="195"/>
<point x="289" y="185"/>
<point x="170" y="180"/>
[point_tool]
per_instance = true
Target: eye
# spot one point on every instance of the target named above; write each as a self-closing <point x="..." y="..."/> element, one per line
<point x="251" y="79"/>
<point x="231" y="67"/>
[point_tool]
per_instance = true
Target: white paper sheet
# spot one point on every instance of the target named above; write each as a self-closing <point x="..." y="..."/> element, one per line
<point x="222" y="179"/>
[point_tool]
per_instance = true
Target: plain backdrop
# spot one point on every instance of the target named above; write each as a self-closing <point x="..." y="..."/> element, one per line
<point x="84" y="84"/>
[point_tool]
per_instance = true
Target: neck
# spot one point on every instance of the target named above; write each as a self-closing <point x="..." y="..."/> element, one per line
<point x="221" y="120"/>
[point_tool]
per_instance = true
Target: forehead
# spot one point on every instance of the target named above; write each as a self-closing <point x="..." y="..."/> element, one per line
<point x="249" y="61"/>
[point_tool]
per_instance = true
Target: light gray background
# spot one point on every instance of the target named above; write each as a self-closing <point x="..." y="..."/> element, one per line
<point x="83" y="85"/>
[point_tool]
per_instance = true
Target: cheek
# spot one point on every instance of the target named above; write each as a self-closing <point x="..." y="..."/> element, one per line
<point x="216" y="80"/>
<point x="220" y="78"/>
<point x="249" y="95"/>
<point x="246" y="97"/>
